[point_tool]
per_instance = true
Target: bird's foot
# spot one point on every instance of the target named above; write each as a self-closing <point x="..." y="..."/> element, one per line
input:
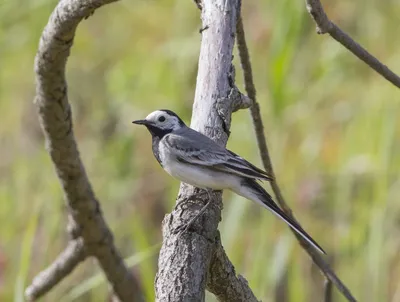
<point x="181" y="229"/>
<point x="194" y="198"/>
<point x="185" y="227"/>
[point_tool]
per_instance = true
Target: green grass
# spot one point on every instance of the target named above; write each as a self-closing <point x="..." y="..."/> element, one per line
<point x="331" y="124"/>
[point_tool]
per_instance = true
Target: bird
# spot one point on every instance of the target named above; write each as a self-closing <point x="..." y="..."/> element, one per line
<point x="197" y="160"/>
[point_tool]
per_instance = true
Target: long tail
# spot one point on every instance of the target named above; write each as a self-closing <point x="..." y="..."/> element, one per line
<point x="250" y="189"/>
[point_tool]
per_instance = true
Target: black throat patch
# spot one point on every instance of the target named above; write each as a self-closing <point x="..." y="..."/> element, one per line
<point x="157" y="132"/>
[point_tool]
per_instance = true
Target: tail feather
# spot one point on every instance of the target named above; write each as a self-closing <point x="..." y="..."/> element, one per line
<point x="250" y="189"/>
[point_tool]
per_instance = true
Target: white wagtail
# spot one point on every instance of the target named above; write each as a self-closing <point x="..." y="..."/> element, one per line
<point x="195" y="159"/>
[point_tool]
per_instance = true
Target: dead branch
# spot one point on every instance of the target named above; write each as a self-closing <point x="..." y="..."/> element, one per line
<point x="58" y="270"/>
<point x="324" y="25"/>
<point x="196" y="260"/>
<point x="328" y="291"/>
<point x="266" y="159"/>
<point x="222" y="280"/>
<point x="90" y="232"/>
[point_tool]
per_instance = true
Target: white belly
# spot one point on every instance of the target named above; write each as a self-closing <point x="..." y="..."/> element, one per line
<point x="201" y="177"/>
<point x="196" y="175"/>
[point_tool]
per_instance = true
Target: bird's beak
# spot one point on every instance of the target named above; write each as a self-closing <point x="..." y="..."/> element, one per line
<point x="141" y="122"/>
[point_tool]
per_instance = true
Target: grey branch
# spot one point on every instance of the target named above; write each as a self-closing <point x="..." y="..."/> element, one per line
<point x="223" y="282"/>
<point x="264" y="153"/>
<point x="195" y="260"/>
<point x="59" y="269"/>
<point x="328" y="291"/>
<point x="324" y="25"/>
<point x="55" y="118"/>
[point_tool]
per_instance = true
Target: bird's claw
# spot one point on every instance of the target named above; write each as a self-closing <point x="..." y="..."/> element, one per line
<point x="181" y="229"/>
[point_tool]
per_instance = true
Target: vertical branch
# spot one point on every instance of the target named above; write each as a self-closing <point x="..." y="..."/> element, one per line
<point x="184" y="268"/>
<point x="266" y="159"/>
<point x="328" y="291"/>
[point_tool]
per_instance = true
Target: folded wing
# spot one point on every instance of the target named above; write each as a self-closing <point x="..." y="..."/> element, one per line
<point x="198" y="149"/>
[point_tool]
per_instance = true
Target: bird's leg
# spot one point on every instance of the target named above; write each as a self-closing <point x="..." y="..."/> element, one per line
<point x="180" y="202"/>
<point x="184" y="228"/>
<point x="191" y="198"/>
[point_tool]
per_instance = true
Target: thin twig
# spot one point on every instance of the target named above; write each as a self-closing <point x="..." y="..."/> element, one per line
<point x="58" y="270"/>
<point x="262" y="145"/>
<point x="324" y="25"/>
<point x="328" y="291"/>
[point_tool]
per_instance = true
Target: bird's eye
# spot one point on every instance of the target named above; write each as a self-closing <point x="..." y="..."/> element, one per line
<point x="161" y="118"/>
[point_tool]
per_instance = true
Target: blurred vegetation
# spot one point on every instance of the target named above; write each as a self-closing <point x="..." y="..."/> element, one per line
<point x="332" y="125"/>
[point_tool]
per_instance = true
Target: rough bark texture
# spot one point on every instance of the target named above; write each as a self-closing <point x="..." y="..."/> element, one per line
<point x="87" y="224"/>
<point x="223" y="282"/>
<point x="196" y="259"/>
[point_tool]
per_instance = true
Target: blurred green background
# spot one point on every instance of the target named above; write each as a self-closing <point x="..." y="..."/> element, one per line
<point x="331" y="123"/>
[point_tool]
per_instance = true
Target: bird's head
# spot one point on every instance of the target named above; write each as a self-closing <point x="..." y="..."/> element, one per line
<point x="161" y="122"/>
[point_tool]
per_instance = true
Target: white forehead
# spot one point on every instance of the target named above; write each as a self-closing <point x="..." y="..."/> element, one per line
<point x="156" y="114"/>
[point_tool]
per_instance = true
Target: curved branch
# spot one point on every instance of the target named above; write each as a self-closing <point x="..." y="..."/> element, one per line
<point x="266" y="159"/>
<point x="55" y="119"/>
<point x="324" y="25"/>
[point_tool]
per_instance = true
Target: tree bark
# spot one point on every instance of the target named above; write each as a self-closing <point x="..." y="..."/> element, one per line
<point x="196" y="259"/>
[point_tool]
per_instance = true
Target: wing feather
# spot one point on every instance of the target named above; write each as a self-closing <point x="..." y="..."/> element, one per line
<point x="198" y="149"/>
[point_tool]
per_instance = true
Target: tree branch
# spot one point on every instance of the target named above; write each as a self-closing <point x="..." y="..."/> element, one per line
<point x="328" y="291"/>
<point x="222" y="280"/>
<point x="58" y="270"/>
<point x="266" y="159"/>
<point x="324" y="25"/>
<point x="55" y="119"/>
<point x="196" y="259"/>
